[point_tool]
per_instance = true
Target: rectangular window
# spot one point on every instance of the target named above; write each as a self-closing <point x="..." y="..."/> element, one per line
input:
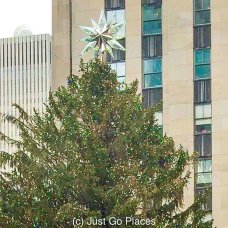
<point x="152" y="46"/>
<point x="203" y="126"/>
<point x="202" y="71"/>
<point x="202" y="37"/>
<point x="202" y="4"/>
<point x="151" y="13"/>
<point x="202" y="56"/>
<point x="118" y="54"/>
<point x="152" y="27"/>
<point x="121" y="79"/>
<point x="203" y="144"/>
<point x="203" y="111"/>
<point x="202" y="91"/>
<point x="208" y="204"/>
<point x="158" y="118"/>
<point x="119" y="68"/>
<point x="152" y="20"/>
<point x="203" y="171"/>
<point x="114" y="4"/>
<point x="151" y="97"/>
<point x="202" y="17"/>
<point x="153" y="66"/>
<point x="152" y="73"/>
<point x="152" y="80"/>
<point x="117" y="16"/>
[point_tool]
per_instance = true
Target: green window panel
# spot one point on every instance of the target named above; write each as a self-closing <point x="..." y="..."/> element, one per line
<point x="202" y="71"/>
<point x="202" y="56"/>
<point x="202" y="4"/>
<point x="153" y="66"/>
<point x="152" y="80"/>
<point x="202" y="17"/>
<point x="151" y="13"/>
<point x="152" y="27"/>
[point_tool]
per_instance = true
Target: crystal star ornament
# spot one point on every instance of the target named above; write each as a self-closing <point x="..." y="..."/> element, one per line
<point x="102" y="37"/>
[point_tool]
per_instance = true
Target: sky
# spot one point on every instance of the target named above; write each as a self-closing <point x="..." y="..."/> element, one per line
<point x="35" y="13"/>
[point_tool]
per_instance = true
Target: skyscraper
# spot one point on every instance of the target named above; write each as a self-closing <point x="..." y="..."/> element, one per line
<point x="25" y="75"/>
<point x="178" y="51"/>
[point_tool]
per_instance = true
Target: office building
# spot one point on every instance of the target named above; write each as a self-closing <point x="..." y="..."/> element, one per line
<point x="25" y="76"/>
<point x="178" y="51"/>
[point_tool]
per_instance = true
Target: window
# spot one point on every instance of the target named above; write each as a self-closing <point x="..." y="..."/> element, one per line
<point x="152" y="66"/>
<point x="202" y="56"/>
<point x="152" y="27"/>
<point x="202" y="4"/>
<point x="119" y="68"/>
<point x="202" y="90"/>
<point x="203" y="111"/>
<point x="152" y="73"/>
<point x="152" y="20"/>
<point x="202" y="63"/>
<point x="147" y="2"/>
<point x="117" y="16"/>
<point x="114" y="4"/>
<point x="152" y="46"/>
<point x="203" y="145"/>
<point x="202" y="17"/>
<point x="202" y="71"/>
<point x="202" y="12"/>
<point x="158" y="118"/>
<point x="203" y="126"/>
<point x="151" y="97"/>
<point x="208" y="204"/>
<point x="202" y="36"/>
<point x="152" y="80"/>
<point x="118" y="54"/>
<point x="121" y="79"/>
<point x="203" y="171"/>
<point x="151" y="13"/>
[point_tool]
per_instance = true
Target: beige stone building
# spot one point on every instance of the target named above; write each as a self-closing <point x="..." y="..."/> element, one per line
<point x="178" y="50"/>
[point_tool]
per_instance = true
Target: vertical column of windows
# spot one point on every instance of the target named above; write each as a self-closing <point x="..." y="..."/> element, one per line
<point x="115" y="11"/>
<point x="202" y="98"/>
<point x="152" y="51"/>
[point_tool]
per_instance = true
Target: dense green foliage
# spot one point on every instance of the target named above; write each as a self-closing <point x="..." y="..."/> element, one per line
<point x="96" y="152"/>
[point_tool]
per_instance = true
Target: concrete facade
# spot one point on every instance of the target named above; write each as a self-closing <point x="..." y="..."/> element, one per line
<point x="177" y="74"/>
<point x="219" y="55"/>
<point x="25" y="77"/>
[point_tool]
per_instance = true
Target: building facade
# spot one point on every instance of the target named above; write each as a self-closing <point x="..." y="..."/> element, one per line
<point x="178" y="51"/>
<point x="25" y="77"/>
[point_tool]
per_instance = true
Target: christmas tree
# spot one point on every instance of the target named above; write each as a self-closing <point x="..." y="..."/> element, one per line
<point x="95" y="153"/>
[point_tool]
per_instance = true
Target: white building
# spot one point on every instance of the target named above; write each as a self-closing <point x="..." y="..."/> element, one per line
<point x="25" y="75"/>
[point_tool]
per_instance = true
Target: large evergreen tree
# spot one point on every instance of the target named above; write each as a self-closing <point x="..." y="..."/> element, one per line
<point x="95" y="152"/>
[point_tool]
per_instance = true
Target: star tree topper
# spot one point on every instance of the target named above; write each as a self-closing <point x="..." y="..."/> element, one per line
<point x="102" y="37"/>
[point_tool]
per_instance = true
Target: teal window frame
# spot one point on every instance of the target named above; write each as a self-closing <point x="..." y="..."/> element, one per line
<point x="202" y="62"/>
<point x="202" y="14"/>
<point x="205" y="4"/>
<point x="152" y="22"/>
<point x="153" y="80"/>
<point x="153" y="73"/>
